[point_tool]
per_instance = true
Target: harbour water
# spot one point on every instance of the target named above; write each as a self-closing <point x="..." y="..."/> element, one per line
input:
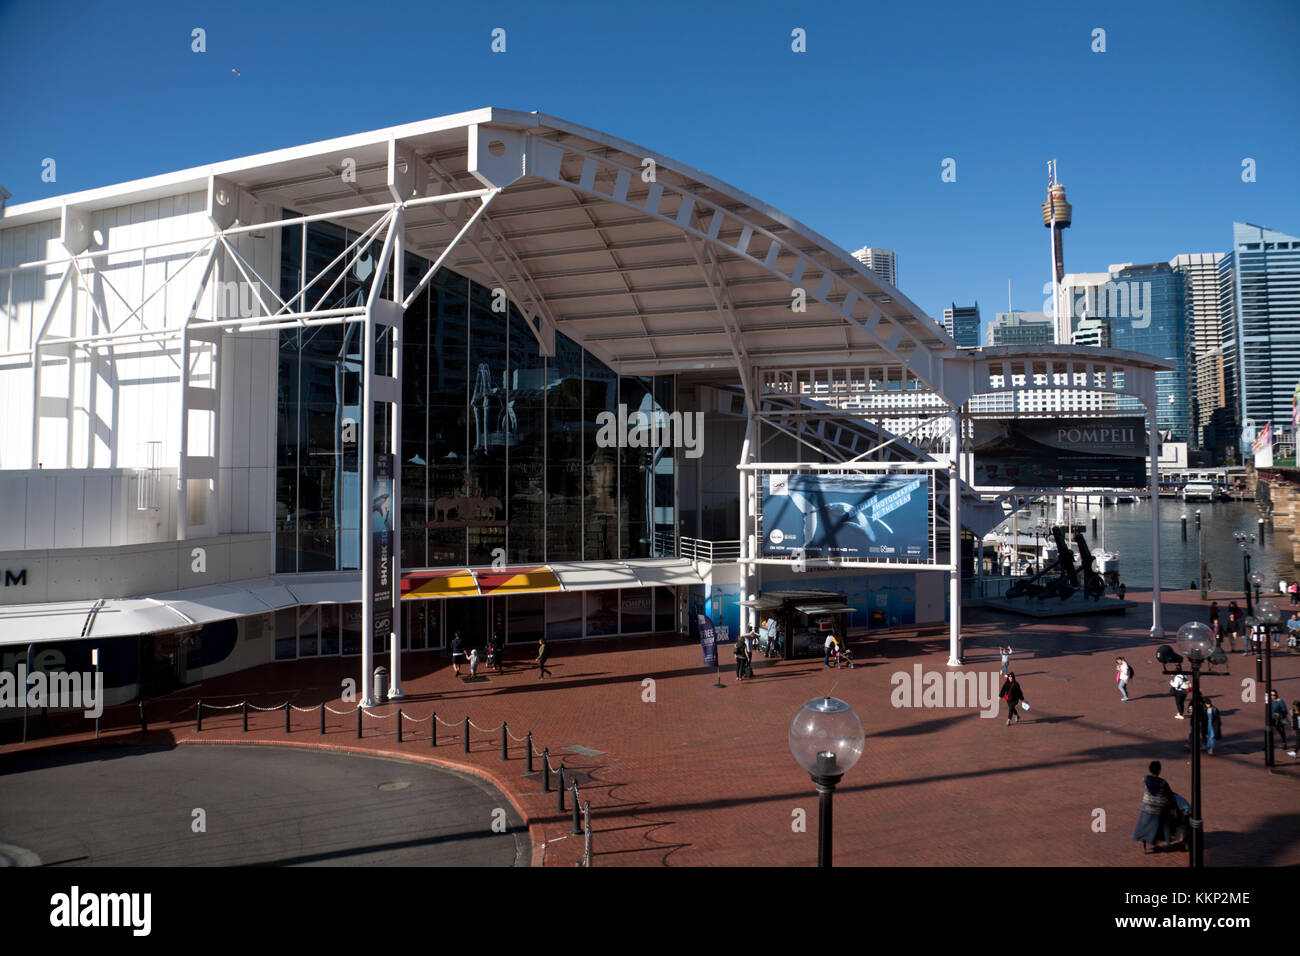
<point x="1128" y="532"/>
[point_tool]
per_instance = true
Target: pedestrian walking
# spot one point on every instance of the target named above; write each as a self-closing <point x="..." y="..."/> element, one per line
<point x="1122" y="590"/>
<point x="543" y="652"/>
<point x="1155" y="818"/>
<point x="1006" y="658"/>
<point x="1277" y="714"/>
<point x="1178" y="687"/>
<point x="457" y="653"/>
<point x="496" y="651"/>
<point x="1211" y="728"/>
<point x="740" y="659"/>
<point x="1234" y="622"/>
<point x="473" y="662"/>
<point x="1123" y="674"/>
<point x="1214" y="612"/>
<point x="1014" y="697"/>
<point x="1295" y="592"/>
<point x="750" y="645"/>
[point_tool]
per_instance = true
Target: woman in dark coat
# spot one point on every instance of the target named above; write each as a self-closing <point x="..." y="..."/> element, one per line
<point x="1156" y="818"/>
<point x="1013" y="695"/>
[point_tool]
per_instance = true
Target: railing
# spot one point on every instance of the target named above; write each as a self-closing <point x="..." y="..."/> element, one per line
<point x="710" y="552"/>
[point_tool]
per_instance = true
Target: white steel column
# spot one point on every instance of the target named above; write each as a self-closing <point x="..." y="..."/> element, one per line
<point x="399" y="286"/>
<point x="747" y="523"/>
<point x="367" y="520"/>
<point x="1153" y="449"/>
<point x="954" y="545"/>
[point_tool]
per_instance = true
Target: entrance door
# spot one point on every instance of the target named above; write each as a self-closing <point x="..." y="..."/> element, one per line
<point x="469" y="616"/>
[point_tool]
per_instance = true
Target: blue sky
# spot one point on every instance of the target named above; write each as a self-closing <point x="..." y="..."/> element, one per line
<point x="848" y="137"/>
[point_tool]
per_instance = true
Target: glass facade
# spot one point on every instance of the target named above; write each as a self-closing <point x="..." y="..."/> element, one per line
<point x="1160" y="330"/>
<point x="499" y="456"/>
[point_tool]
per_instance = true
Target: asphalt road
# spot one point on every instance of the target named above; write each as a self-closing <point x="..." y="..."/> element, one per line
<point x="262" y="806"/>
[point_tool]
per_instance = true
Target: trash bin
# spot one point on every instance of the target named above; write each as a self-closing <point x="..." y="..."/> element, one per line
<point x="381" y="683"/>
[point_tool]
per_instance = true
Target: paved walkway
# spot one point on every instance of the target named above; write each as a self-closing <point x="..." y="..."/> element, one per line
<point x="681" y="772"/>
<point x="136" y="806"/>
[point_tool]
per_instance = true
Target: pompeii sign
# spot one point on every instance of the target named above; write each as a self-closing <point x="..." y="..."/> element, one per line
<point x="1061" y="452"/>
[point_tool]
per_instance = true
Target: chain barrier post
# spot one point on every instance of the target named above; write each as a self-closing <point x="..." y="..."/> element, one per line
<point x="546" y="770"/>
<point x="360" y="710"/>
<point x="322" y="719"/>
<point x="399" y="725"/>
<point x="528" y="744"/>
<point x="505" y="752"/>
<point x="466" y="735"/>
<point x="433" y="729"/>
<point x="559" y="791"/>
<point x="586" y="841"/>
<point x="144" y="724"/>
<point x="245" y="707"/>
<point x="576" y="795"/>
<point x="287" y="728"/>
<point x="198" y="716"/>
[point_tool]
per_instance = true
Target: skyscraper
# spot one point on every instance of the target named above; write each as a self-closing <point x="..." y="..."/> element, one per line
<point x="1019" y="328"/>
<point x="1145" y="307"/>
<point x="1200" y="272"/>
<point x="1264" y="345"/>
<point x="879" y="261"/>
<point x="963" y="324"/>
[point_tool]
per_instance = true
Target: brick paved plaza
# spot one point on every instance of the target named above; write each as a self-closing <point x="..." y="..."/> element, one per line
<point x="703" y="776"/>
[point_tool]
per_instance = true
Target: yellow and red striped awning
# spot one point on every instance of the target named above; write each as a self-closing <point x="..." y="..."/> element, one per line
<point x="467" y="582"/>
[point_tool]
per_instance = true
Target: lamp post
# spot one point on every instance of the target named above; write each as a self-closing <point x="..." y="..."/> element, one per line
<point x="1245" y="575"/>
<point x="1257" y="579"/>
<point x="1196" y="642"/>
<point x="1270" y="614"/>
<point x="826" y="738"/>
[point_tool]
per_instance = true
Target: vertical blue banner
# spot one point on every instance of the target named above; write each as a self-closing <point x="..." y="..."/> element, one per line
<point x="707" y="642"/>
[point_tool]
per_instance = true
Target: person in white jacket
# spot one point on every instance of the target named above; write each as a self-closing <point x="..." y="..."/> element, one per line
<point x="1178" y="687"/>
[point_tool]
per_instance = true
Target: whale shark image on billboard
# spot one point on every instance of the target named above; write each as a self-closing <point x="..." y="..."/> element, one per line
<point x="863" y="517"/>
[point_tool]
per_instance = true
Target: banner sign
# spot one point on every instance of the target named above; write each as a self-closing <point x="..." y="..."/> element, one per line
<point x="868" y="517"/>
<point x="381" y="516"/>
<point x="707" y="642"/>
<point x="1061" y="452"/>
<point x="1262" y="447"/>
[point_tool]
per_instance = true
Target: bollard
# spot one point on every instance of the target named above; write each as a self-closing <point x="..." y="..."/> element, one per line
<point x="1259" y="669"/>
<point x="198" y="716"/>
<point x="286" y="717"/>
<point x="528" y="743"/>
<point x="505" y="753"/>
<point x="322" y="719"/>
<point x="433" y="729"/>
<point x="245" y="705"/>
<point x="1094" y="528"/>
<point x="399" y="725"/>
<point x="559" y="790"/>
<point x="546" y="770"/>
<point x="359" y="712"/>
<point x="466" y="735"/>
<point x="144" y="724"/>
<point x="586" y="826"/>
<point x="576" y="827"/>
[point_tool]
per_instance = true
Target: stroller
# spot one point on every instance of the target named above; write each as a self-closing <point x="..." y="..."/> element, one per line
<point x="842" y="657"/>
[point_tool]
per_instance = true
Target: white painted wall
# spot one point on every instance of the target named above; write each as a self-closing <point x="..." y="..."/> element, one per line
<point x="124" y="398"/>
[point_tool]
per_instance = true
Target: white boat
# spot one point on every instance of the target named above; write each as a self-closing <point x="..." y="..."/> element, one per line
<point x="1198" y="491"/>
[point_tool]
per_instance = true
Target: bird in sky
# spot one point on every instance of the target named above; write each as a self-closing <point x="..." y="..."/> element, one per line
<point x="236" y="72"/>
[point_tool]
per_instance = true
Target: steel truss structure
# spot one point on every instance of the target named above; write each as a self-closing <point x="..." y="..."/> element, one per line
<point x="652" y="266"/>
